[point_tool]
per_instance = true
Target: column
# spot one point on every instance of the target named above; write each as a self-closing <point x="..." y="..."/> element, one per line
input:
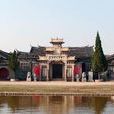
<point x="47" y="72"/>
<point x="40" y="72"/>
<point x="65" y="72"/>
<point x="72" y="72"/>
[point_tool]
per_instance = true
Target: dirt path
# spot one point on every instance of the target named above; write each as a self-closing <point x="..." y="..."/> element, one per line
<point x="57" y="88"/>
<point x="62" y="83"/>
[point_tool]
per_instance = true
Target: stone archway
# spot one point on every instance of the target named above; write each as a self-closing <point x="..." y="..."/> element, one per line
<point x="4" y="74"/>
<point x="56" y="69"/>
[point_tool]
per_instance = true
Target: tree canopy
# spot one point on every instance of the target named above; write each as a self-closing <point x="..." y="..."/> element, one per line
<point x="99" y="63"/>
<point x="13" y="62"/>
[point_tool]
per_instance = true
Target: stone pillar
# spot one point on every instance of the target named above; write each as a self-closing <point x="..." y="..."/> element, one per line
<point x="40" y="72"/>
<point x="72" y="72"/>
<point x="47" y="72"/>
<point x="50" y="71"/>
<point x="77" y="77"/>
<point x="90" y="76"/>
<point x="65" y="78"/>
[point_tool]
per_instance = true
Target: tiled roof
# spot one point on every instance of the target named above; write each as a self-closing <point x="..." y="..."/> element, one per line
<point x="80" y="52"/>
<point x="110" y="57"/>
<point x="27" y="55"/>
<point x="23" y="55"/>
<point x="3" y="54"/>
<point x="38" y="50"/>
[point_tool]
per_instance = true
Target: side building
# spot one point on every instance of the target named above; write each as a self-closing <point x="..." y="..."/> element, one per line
<point x="110" y="60"/>
<point x="4" y="70"/>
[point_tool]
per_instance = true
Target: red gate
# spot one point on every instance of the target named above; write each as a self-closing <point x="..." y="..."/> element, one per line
<point x="4" y="74"/>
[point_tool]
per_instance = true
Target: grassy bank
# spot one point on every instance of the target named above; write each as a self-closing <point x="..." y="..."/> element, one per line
<point x="61" y="88"/>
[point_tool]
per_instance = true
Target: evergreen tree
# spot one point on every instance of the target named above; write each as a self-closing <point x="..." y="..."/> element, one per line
<point x="13" y="62"/>
<point x="99" y="63"/>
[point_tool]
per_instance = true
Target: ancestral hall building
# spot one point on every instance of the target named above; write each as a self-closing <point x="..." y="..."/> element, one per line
<point x="57" y="62"/>
<point x="52" y="63"/>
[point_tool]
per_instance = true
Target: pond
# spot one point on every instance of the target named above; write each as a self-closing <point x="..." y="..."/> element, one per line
<point x="56" y="105"/>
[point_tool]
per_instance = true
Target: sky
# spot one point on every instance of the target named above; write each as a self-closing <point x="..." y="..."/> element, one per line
<point x="26" y="23"/>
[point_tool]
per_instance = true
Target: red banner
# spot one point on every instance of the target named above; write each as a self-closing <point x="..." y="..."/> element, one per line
<point x="36" y="70"/>
<point x="77" y="70"/>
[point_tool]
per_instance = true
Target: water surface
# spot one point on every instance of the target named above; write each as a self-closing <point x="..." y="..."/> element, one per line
<point x="56" y="105"/>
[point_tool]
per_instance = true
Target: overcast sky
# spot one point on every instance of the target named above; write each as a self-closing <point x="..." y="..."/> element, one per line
<point x="35" y="22"/>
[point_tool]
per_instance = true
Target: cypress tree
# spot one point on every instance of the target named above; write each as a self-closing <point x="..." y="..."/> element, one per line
<point x="99" y="63"/>
<point x="13" y="62"/>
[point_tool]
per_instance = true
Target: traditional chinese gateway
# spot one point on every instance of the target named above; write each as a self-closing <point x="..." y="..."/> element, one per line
<point x="56" y="62"/>
<point x="49" y="63"/>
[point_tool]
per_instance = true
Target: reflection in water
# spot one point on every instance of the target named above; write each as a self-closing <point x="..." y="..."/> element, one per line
<point x="56" y="105"/>
<point x="99" y="104"/>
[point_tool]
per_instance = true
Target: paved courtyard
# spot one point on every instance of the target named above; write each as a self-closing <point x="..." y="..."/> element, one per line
<point x="59" y="83"/>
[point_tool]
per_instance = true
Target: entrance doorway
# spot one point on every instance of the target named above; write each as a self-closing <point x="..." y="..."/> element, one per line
<point x="4" y="73"/>
<point x="57" y="71"/>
